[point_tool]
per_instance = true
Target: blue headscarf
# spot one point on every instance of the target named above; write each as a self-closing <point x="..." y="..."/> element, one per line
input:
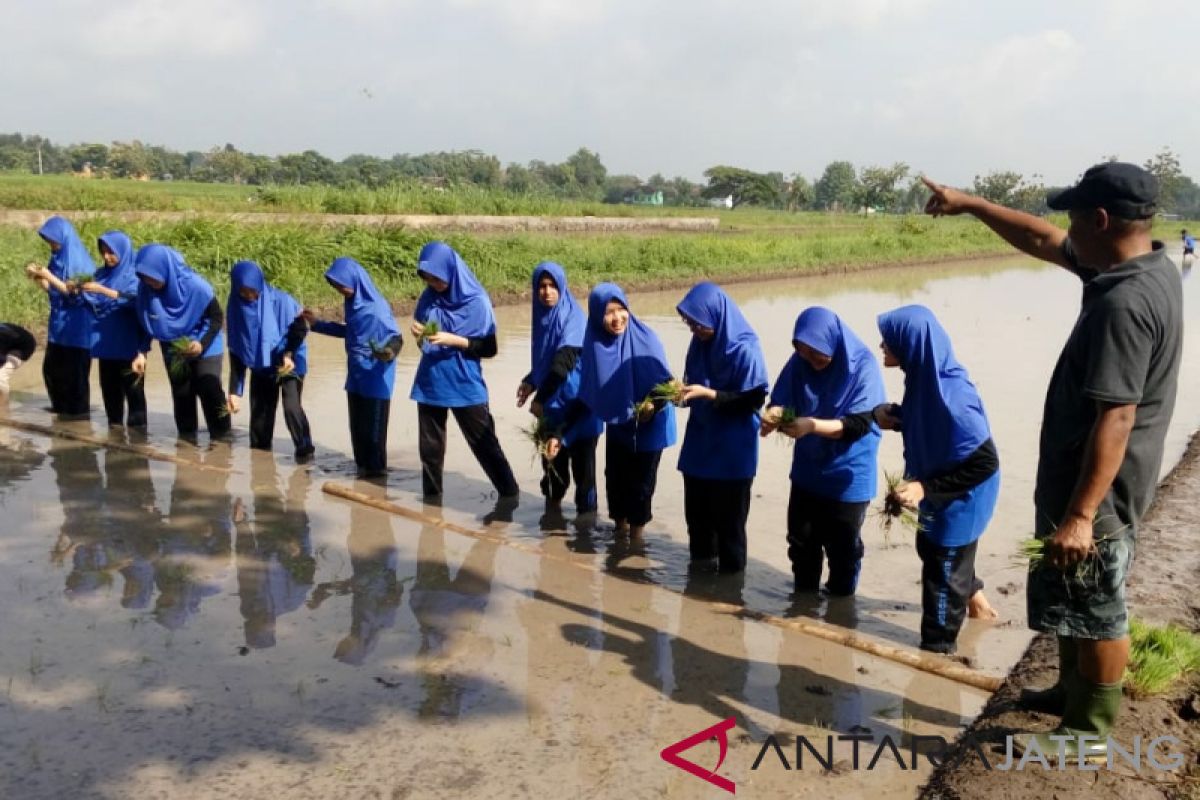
<point x="719" y="445"/>
<point x="732" y="360"/>
<point x="118" y="333"/>
<point x="72" y="257"/>
<point x="368" y="320"/>
<point x="257" y="331"/>
<point x="564" y="325"/>
<point x="179" y="307"/>
<point x="618" y="371"/>
<point x="122" y="278"/>
<point x="464" y="308"/>
<point x="71" y="323"/>
<point x="942" y="413"/>
<point x="851" y="384"/>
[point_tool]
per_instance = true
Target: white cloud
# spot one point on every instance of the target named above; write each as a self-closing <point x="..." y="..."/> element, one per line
<point x="132" y="29"/>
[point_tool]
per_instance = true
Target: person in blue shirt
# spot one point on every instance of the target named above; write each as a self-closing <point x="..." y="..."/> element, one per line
<point x="556" y="336"/>
<point x="725" y="384"/>
<point x="832" y="384"/>
<point x="951" y="466"/>
<point x="266" y="332"/>
<point x="450" y="374"/>
<point x="179" y="308"/>
<point x="112" y="296"/>
<point x="67" y="366"/>
<point x="623" y="360"/>
<point x="1189" y="245"/>
<point x="372" y="344"/>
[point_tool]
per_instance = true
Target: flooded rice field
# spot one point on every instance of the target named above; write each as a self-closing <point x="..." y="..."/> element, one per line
<point x="224" y="627"/>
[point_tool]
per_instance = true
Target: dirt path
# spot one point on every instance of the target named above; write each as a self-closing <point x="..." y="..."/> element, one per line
<point x="463" y="222"/>
<point x="1162" y="588"/>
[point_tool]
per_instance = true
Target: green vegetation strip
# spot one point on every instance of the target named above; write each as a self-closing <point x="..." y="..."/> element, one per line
<point x="1160" y="658"/>
<point x="294" y="257"/>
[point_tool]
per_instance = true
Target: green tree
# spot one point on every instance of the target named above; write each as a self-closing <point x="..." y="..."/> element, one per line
<point x="746" y="187"/>
<point x="998" y="186"/>
<point x="837" y="187"/>
<point x="588" y="171"/>
<point x="1165" y="166"/>
<point x="800" y="193"/>
<point x="129" y="160"/>
<point x="877" y="186"/>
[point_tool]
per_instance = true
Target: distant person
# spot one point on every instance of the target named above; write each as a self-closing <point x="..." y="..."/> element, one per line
<point x="951" y="469"/>
<point x="67" y="365"/>
<point x="832" y="384"/>
<point x="112" y="296"/>
<point x="266" y="331"/>
<point x="1189" y="246"/>
<point x="372" y="344"/>
<point x="725" y="384"/>
<point x="557" y="327"/>
<point x="450" y="374"/>
<point x="179" y="308"/>
<point x="1107" y="410"/>
<point x="16" y="347"/>
<point x="623" y="360"/>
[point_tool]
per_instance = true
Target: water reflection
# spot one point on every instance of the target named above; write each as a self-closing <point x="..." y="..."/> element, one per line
<point x="197" y="540"/>
<point x="449" y="610"/>
<point x="275" y="563"/>
<point x="374" y="588"/>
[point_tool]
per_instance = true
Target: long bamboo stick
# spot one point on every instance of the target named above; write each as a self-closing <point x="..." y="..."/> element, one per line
<point x="926" y="662"/>
<point x="140" y="449"/>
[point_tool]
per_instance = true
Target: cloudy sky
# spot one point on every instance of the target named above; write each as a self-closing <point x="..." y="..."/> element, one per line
<point x="951" y="88"/>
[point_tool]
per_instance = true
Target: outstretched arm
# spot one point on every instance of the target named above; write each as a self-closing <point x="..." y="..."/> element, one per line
<point x="1026" y="232"/>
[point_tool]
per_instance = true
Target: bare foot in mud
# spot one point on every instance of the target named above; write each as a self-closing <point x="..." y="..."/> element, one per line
<point x="978" y="607"/>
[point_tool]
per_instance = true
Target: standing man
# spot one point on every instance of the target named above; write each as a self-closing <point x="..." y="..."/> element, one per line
<point x="1107" y="408"/>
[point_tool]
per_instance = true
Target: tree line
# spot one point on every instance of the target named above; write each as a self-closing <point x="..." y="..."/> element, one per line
<point x="840" y="187"/>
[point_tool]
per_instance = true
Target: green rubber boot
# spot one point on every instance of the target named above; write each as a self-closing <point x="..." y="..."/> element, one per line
<point x="1053" y="700"/>
<point x="1091" y="711"/>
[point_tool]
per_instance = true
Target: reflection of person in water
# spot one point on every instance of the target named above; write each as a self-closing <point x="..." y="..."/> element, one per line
<point x="275" y="565"/>
<point x="19" y="459"/>
<point x="448" y="613"/>
<point x="196" y="544"/>
<point x="374" y="591"/>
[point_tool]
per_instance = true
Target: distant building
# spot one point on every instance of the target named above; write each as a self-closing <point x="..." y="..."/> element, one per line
<point x="644" y="196"/>
<point x="721" y="202"/>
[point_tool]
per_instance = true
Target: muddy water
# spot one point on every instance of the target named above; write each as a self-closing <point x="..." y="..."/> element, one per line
<point x="176" y="632"/>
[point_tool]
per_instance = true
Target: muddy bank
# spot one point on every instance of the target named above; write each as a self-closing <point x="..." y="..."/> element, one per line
<point x="1162" y="589"/>
<point x="474" y="223"/>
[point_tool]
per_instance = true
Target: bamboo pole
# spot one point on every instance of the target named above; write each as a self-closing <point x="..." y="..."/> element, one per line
<point x="140" y="449"/>
<point x="925" y="662"/>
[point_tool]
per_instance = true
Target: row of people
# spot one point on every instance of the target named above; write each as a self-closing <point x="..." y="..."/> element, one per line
<point x="593" y="373"/>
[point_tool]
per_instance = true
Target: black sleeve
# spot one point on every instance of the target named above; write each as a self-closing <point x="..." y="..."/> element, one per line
<point x="856" y="426"/>
<point x="564" y="361"/>
<point x="977" y="468"/>
<point x="481" y="348"/>
<point x="295" y="335"/>
<point x="740" y="402"/>
<point x="237" y="375"/>
<point x="216" y="320"/>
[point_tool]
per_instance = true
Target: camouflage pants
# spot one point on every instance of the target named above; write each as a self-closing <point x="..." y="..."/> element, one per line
<point x="1086" y="601"/>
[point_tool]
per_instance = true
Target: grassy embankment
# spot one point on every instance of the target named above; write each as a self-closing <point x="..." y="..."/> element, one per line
<point x="295" y="257"/>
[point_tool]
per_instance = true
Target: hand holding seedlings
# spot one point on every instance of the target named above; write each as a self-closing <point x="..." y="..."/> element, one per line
<point x="138" y="365"/>
<point x="670" y="391"/>
<point x="235" y="404"/>
<point x="887" y="416"/>
<point x="1071" y="543"/>
<point x="695" y="391"/>
<point x="797" y="427"/>
<point x="286" y="370"/>
<point x="776" y="418"/>
<point x="553" y="446"/>
<point x="310" y="317"/>
<point x="909" y="494"/>
<point x="193" y="349"/>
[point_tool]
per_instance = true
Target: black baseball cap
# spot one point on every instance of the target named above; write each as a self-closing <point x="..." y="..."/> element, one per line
<point x="1124" y="190"/>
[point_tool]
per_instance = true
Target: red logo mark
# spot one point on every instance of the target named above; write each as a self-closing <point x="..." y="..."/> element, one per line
<point x="671" y="754"/>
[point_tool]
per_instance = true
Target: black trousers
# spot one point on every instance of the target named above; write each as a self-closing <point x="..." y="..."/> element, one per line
<point x="820" y="529"/>
<point x="716" y="513"/>
<point x="578" y="461"/>
<point x="479" y="429"/>
<point x="121" y="388"/>
<point x="947" y="582"/>
<point x="266" y="390"/>
<point x="67" y="372"/>
<point x="630" y="479"/>
<point x="201" y="381"/>
<point x="368" y="432"/>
